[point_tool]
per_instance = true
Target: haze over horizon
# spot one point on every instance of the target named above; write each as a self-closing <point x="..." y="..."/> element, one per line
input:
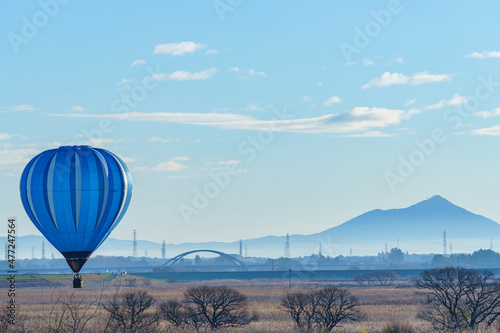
<point x="319" y="121"/>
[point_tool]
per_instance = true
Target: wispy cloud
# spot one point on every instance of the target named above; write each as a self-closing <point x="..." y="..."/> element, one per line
<point x="169" y="166"/>
<point x="185" y="76"/>
<point x="487" y="114"/>
<point x="211" y="51"/>
<point x="122" y="82"/>
<point x="359" y="119"/>
<point x="252" y="72"/>
<point x="138" y="62"/>
<point x="488" y="131"/>
<point x="307" y="99"/>
<point x="77" y="108"/>
<point x="16" y="158"/>
<point x="176" y="49"/>
<point x="367" y="62"/>
<point x="389" y="79"/>
<point x="162" y="140"/>
<point x="484" y="54"/>
<point x="5" y="136"/>
<point x="455" y="100"/>
<point x="332" y="100"/>
<point x="16" y="108"/>
<point x="371" y="134"/>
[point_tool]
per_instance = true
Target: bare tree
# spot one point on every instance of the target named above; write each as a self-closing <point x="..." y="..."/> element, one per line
<point x="129" y="312"/>
<point x="174" y="312"/>
<point x="385" y="277"/>
<point x="323" y="310"/>
<point x="219" y="306"/>
<point x="302" y="308"/>
<point x="459" y="299"/>
<point x="382" y="277"/>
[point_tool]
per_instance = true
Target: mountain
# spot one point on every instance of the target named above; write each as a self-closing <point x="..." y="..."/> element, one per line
<point x="418" y="229"/>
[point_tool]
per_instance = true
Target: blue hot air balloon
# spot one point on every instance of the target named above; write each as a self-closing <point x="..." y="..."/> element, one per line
<point x="75" y="196"/>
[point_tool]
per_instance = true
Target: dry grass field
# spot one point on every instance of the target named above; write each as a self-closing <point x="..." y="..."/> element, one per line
<point x="40" y="308"/>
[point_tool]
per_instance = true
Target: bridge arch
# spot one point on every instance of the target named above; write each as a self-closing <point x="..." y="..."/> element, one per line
<point x="175" y="259"/>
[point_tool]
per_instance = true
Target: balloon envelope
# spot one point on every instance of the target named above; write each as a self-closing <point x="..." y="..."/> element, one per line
<point x="75" y="196"/>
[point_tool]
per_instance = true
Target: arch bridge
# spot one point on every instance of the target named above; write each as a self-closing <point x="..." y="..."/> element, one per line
<point x="175" y="259"/>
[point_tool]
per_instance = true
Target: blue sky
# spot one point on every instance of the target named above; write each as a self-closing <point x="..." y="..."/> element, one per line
<point x="314" y="108"/>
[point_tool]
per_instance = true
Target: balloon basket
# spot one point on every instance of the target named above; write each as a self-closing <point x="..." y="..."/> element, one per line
<point x="77" y="281"/>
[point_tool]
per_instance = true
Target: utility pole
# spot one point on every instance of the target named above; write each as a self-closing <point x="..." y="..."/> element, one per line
<point x="287" y="246"/>
<point x="134" y="253"/>
<point x="444" y="243"/>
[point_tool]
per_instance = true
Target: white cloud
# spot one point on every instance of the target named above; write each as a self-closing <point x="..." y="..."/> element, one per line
<point x="355" y="120"/>
<point x="16" y="158"/>
<point x="15" y="108"/>
<point x="389" y="79"/>
<point x="410" y="101"/>
<point x="487" y="114"/>
<point x="122" y="82"/>
<point x="253" y="107"/>
<point x="425" y="77"/>
<point x="128" y="159"/>
<point x="77" y="108"/>
<point x="175" y="49"/>
<point x="138" y="62"/>
<point x="180" y="158"/>
<point x="367" y="62"/>
<point x="398" y="60"/>
<point x="332" y="100"/>
<point x="223" y="162"/>
<point x="253" y="72"/>
<point x="5" y="136"/>
<point x="208" y="52"/>
<point x="161" y="140"/>
<point x="185" y="76"/>
<point x="371" y="134"/>
<point x="484" y="54"/>
<point x="488" y="131"/>
<point x="455" y="100"/>
<point x="169" y="166"/>
<point x="306" y="99"/>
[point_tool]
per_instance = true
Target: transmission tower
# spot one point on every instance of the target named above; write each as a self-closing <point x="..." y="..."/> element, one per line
<point x="319" y="252"/>
<point x="163" y="250"/>
<point x="444" y="243"/>
<point x="287" y="246"/>
<point x="241" y="248"/>
<point x="134" y="253"/>
<point x="350" y="252"/>
<point x="451" y="248"/>
<point x="43" y="250"/>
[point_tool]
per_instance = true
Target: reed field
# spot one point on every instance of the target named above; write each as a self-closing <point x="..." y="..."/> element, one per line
<point x="42" y="308"/>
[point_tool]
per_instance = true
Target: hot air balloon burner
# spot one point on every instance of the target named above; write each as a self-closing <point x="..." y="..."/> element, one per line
<point x="77" y="281"/>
